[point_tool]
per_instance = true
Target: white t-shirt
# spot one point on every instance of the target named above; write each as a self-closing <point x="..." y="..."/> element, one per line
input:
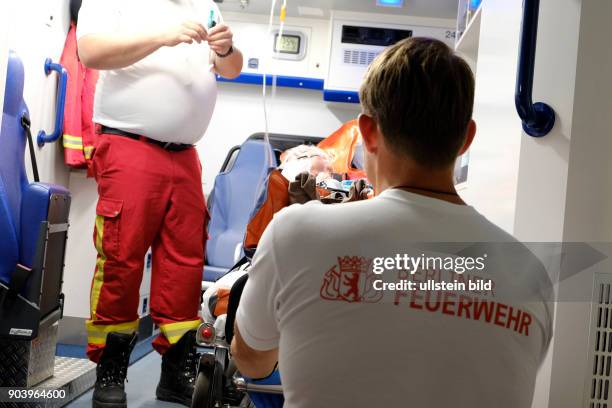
<point x="368" y="348"/>
<point x="169" y="95"/>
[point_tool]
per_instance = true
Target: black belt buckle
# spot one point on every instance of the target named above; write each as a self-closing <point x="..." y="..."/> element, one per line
<point x="169" y="146"/>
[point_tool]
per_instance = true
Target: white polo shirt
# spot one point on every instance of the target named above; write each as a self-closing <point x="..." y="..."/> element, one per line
<point x="169" y="95"/>
<point x="343" y="344"/>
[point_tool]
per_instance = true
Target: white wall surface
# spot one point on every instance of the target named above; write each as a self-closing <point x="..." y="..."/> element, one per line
<point x="80" y="252"/>
<point x="251" y="36"/>
<point x="494" y="156"/>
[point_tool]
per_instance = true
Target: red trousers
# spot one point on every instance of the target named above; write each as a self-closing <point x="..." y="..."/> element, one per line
<point x="148" y="198"/>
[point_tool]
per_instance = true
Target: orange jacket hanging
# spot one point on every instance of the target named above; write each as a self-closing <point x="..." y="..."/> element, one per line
<point x="79" y="136"/>
<point x="341" y="146"/>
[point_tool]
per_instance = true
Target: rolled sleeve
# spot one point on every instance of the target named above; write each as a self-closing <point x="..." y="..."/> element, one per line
<point x="256" y="317"/>
<point x="98" y="17"/>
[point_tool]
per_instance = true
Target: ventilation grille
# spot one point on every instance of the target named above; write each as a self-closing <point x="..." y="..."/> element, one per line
<point x="359" y="57"/>
<point x="599" y="392"/>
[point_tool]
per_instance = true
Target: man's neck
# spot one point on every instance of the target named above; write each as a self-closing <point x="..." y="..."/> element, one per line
<point x="434" y="183"/>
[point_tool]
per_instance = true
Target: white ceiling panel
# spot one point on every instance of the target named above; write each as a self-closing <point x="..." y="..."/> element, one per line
<point x="446" y="9"/>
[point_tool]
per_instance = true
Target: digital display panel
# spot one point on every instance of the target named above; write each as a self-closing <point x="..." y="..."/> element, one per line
<point x="287" y="44"/>
<point x="382" y="37"/>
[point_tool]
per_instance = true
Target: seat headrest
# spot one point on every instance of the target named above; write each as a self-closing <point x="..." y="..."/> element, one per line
<point x="12" y="138"/>
<point x="253" y="155"/>
<point x="13" y="95"/>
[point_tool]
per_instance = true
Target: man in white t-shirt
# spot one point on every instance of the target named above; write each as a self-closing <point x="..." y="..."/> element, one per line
<point x="315" y="302"/>
<point x="154" y="100"/>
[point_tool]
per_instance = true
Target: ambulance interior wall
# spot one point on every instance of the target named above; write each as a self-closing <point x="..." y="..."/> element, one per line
<point x="494" y="155"/>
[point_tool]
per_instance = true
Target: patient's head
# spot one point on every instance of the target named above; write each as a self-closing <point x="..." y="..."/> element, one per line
<point x="419" y="96"/>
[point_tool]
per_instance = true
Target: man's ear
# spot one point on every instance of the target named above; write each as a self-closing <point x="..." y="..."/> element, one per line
<point x="369" y="133"/>
<point x="469" y="137"/>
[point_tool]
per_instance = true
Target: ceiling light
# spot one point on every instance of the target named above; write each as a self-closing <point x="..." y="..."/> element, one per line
<point x="390" y="3"/>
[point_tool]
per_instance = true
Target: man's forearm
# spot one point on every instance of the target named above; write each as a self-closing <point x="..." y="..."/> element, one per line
<point x="230" y="66"/>
<point x="105" y="52"/>
<point x="252" y="363"/>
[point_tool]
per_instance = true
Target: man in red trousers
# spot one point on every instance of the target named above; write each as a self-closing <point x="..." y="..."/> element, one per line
<point x="154" y="99"/>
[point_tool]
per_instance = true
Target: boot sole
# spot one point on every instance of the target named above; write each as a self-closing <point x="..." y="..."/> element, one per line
<point x="163" y="394"/>
<point x="98" y="404"/>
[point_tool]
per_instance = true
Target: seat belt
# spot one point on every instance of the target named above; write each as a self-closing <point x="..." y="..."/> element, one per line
<point x="22" y="273"/>
<point x="25" y="123"/>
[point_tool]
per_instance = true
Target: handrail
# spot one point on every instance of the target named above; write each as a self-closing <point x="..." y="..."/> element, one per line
<point x="539" y="118"/>
<point x="43" y="137"/>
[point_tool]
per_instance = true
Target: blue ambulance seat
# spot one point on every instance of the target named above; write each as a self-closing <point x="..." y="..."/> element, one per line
<point x="233" y="199"/>
<point x="24" y="206"/>
<point x="262" y="400"/>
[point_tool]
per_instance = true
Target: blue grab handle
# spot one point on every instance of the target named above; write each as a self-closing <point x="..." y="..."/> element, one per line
<point x="61" y="103"/>
<point x="539" y="118"/>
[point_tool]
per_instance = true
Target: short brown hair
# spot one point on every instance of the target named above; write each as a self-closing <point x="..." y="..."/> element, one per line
<point x="421" y="94"/>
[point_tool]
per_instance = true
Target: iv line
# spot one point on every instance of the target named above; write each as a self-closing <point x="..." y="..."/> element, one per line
<point x="283" y="15"/>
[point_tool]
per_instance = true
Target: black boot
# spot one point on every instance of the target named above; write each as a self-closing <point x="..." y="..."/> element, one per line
<point x="179" y="365"/>
<point x="112" y="370"/>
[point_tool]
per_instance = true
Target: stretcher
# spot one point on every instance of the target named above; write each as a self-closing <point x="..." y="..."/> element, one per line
<point x="238" y="224"/>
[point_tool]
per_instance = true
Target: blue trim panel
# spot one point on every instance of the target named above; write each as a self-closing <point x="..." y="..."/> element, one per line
<point x="70" y="350"/>
<point x="340" y="96"/>
<point x="284" y="81"/>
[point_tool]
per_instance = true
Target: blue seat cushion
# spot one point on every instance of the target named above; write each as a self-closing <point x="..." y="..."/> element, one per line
<point x="34" y="211"/>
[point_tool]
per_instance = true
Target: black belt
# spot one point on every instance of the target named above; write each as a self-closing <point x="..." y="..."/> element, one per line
<point x="171" y="147"/>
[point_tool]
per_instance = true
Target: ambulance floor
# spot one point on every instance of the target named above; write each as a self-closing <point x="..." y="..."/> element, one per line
<point x="140" y="388"/>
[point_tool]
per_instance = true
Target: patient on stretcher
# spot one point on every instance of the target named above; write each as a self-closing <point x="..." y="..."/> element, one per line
<point x="306" y="173"/>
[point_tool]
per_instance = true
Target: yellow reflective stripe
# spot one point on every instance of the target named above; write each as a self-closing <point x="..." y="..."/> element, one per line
<point x="101" y="260"/>
<point x="73" y="142"/>
<point x="174" y="331"/>
<point x="96" y="333"/>
<point x="88" y="150"/>
<point x="73" y="146"/>
<point x="76" y="139"/>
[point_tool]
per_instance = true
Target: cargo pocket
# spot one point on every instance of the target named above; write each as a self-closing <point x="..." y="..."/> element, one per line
<point x="108" y="219"/>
